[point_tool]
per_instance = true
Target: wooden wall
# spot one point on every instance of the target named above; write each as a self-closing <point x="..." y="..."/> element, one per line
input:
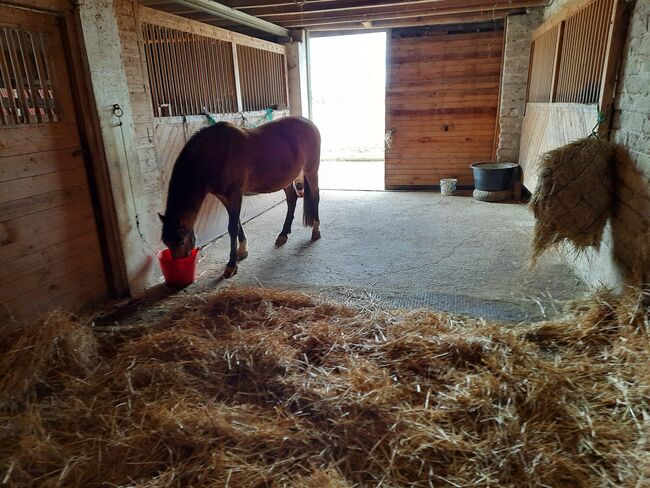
<point x="442" y="94"/>
<point x="550" y="125"/>
<point x="50" y="255"/>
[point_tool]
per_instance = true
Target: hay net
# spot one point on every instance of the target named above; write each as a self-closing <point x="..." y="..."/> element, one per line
<point x="574" y="195"/>
<point x="254" y="387"/>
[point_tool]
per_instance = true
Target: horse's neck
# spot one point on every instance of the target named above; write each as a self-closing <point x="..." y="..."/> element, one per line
<point x="185" y="196"/>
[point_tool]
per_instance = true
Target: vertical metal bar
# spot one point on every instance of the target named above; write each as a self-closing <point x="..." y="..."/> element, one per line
<point x="165" y="70"/>
<point x="25" y="42"/>
<point x="220" y="88"/>
<point x="176" y="68"/>
<point x="3" y="86"/>
<point x="36" y="40"/>
<point x="185" y="74"/>
<point x="6" y="73"/>
<point x="148" y="51"/>
<point x="164" y="96"/>
<point x="20" y="84"/>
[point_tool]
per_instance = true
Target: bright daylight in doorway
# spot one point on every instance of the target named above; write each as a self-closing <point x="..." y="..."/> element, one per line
<point x="348" y="76"/>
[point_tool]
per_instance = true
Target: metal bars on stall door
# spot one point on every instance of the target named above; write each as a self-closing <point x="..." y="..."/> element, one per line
<point x="568" y="60"/>
<point x="191" y="73"/>
<point x="26" y="91"/>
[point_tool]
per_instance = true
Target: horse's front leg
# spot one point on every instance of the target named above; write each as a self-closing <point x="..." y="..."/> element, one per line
<point x="292" y="198"/>
<point x="242" y="250"/>
<point x="233" y="205"/>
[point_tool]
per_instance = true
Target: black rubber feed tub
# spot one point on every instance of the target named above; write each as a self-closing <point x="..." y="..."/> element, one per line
<point x="491" y="176"/>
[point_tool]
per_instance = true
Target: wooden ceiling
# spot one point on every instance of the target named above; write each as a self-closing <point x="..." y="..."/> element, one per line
<point x="351" y="15"/>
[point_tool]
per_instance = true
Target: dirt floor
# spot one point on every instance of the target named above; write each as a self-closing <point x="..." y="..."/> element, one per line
<point x="401" y="250"/>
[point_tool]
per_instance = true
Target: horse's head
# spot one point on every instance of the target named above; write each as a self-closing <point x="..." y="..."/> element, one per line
<point x="177" y="237"/>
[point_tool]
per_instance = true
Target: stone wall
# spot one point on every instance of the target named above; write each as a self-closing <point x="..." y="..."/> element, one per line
<point x="514" y="78"/>
<point x="625" y="254"/>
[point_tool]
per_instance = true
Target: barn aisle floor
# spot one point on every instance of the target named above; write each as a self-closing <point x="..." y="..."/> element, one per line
<point x="408" y="250"/>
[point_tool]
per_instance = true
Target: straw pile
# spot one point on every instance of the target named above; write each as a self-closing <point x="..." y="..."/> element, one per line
<point x="574" y="195"/>
<point x="253" y="388"/>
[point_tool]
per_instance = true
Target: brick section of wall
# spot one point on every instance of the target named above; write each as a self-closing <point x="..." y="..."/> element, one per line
<point x="514" y="78"/>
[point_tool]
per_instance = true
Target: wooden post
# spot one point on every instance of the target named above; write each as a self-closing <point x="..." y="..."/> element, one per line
<point x="615" y="40"/>
<point x="235" y="63"/>
<point x="556" y="61"/>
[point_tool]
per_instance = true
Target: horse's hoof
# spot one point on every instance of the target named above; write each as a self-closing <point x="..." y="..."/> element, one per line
<point x="315" y="235"/>
<point x="281" y="240"/>
<point x="230" y="272"/>
<point x="241" y="255"/>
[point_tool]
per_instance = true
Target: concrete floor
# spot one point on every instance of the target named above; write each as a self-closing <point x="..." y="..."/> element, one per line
<point x="415" y="249"/>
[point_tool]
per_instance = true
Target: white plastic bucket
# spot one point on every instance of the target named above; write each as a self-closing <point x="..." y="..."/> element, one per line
<point x="448" y="186"/>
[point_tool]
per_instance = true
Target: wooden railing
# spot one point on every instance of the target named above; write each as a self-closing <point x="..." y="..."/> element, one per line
<point x="197" y="67"/>
<point x="570" y="60"/>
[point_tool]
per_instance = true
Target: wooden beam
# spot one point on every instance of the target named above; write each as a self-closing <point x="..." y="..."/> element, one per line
<point x="225" y="12"/>
<point x="568" y="10"/>
<point x="418" y="21"/>
<point x="354" y="6"/>
<point x="314" y="22"/>
<point x="165" y="19"/>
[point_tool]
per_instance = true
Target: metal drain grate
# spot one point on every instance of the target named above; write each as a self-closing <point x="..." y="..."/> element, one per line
<point x="511" y="310"/>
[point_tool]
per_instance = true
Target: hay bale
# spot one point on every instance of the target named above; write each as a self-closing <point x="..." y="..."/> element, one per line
<point x="574" y="195"/>
<point x="254" y="387"/>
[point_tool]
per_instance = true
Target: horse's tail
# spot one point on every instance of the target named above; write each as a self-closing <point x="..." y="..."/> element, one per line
<point x="310" y="209"/>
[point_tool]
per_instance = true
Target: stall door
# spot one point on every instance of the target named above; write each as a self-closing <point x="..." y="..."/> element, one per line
<point x="442" y="94"/>
<point x="49" y="249"/>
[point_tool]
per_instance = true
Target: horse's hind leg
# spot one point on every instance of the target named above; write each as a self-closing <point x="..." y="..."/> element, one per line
<point x="242" y="250"/>
<point x="233" y="205"/>
<point x="312" y="200"/>
<point x="292" y="198"/>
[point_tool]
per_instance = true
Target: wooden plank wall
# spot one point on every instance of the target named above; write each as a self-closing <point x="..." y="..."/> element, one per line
<point x="550" y="125"/>
<point x="49" y="247"/>
<point x="442" y="94"/>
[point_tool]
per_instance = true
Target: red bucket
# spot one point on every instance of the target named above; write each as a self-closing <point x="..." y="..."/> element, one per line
<point x="178" y="272"/>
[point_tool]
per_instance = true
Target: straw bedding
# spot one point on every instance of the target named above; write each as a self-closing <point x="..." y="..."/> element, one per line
<point x="252" y="387"/>
<point x="574" y="195"/>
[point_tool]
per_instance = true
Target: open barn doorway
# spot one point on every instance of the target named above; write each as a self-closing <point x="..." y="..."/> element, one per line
<point x="348" y="78"/>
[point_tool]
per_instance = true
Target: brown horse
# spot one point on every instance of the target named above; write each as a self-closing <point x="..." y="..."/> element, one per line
<point x="228" y="162"/>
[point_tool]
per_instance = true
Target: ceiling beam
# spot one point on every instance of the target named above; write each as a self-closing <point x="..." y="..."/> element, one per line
<point x="225" y="12"/>
<point x="311" y="21"/>
<point x="418" y="21"/>
<point x="316" y="6"/>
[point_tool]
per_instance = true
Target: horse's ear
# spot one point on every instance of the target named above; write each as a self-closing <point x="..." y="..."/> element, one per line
<point x="161" y="217"/>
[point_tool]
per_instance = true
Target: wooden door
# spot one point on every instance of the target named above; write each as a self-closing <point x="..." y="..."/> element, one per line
<point x="442" y="95"/>
<point x="50" y="255"/>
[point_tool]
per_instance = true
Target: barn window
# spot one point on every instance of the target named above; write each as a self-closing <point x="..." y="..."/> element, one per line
<point x="26" y="91"/>
<point x="568" y="59"/>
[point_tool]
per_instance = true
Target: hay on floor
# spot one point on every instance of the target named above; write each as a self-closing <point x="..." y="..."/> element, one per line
<point x="253" y="388"/>
<point x="574" y="195"/>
